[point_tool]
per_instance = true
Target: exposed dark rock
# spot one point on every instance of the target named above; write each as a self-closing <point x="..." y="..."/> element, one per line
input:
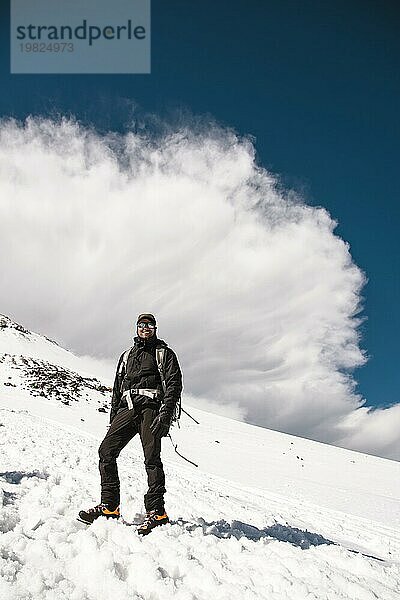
<point x="45" y="379"/>
<point x="6" y="322"/>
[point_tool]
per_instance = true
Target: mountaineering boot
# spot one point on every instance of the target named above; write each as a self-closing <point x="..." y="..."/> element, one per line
<point x="100" y="510"/>
<point x="154" y="518"/>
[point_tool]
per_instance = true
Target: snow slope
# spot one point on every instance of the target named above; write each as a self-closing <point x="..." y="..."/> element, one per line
<point x="265" y="515"/>
<point x="16" y="340"/>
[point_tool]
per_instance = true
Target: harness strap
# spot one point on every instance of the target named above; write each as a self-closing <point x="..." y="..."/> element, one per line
<point x="124" y="360"/>
<point x="127" y="395"/>
<point x="160" y="352"/>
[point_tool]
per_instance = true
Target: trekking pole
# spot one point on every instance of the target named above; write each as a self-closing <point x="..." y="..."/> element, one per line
<point x="178" y="453"/>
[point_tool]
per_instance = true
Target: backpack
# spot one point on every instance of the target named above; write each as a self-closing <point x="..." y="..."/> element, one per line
<point x="160" y="360"/>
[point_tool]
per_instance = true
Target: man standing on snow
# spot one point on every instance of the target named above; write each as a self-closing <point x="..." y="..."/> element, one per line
<point x="147" y="388"/>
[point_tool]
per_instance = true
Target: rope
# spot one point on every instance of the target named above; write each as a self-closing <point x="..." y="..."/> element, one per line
<point x="178" y="453"/>
<point x="186" y="413"/>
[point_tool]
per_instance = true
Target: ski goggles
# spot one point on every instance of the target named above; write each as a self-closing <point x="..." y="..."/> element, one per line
<point x="142" y="325"/>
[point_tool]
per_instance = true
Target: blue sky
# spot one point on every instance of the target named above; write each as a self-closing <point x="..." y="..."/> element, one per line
<point x="316" y="84"/>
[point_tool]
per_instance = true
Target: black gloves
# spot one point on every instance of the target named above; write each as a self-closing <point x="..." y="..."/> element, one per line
<point x="160" y="425"/>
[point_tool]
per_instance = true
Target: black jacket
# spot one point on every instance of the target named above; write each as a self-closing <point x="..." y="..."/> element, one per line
<point x="142" y="372"/>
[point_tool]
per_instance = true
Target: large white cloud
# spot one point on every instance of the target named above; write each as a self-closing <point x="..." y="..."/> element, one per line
<point x="259" y="297"/>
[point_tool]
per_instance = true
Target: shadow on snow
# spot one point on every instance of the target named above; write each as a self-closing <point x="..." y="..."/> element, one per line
<point x="238" y="529"/>
<point x="15" y="477"/>
<point x="303" y="539"/>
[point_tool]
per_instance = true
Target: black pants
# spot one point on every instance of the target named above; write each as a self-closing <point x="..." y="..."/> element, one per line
<point x="125" y="425"/>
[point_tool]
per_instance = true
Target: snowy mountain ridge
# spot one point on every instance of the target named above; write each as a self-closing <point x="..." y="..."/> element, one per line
<point x="7" y="323"/>
<point x="265" y="515"/>
<point x="17" y="340"/>
<point x="39" y="365"/>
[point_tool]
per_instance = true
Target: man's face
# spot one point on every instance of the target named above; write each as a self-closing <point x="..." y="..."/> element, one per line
<point x="145" y="329"/>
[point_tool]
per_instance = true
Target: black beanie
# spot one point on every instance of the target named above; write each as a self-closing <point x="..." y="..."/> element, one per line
<point x="147" y="316"/>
